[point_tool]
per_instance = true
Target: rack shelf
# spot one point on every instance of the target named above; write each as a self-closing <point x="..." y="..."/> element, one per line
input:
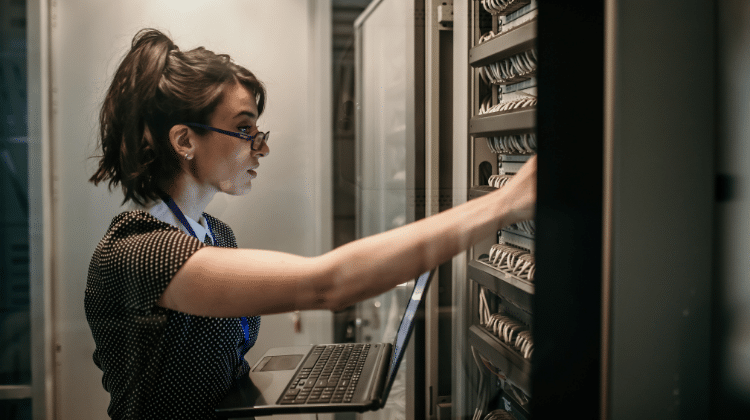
<point x="521" y="237"/>
<point x="512" y="163"/>
<point x="501" y="283"/>
<point x="515" y="41"/>
<point x="503" y="122"/>
<point x="518" y="238"/>
<point x="514" y="366"/>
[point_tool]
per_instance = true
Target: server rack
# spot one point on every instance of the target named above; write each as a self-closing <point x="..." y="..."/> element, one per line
<point x="620" y="301"/>
<point x="500" y="271"/>
<point x="541" y="281"/>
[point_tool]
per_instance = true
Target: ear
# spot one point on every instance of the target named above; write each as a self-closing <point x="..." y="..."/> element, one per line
<point x="180" y="136"/>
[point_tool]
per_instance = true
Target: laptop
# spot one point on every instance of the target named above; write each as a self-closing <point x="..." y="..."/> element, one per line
<point x="318" y="379"/>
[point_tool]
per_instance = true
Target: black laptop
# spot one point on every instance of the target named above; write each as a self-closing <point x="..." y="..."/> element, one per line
<point x="324" y="378"/>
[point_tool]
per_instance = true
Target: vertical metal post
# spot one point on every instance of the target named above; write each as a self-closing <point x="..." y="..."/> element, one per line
<point x="463" y="108"/>
<point x="610" y="73"/>
<point x="40" y="210"/>
<point x="432" y="192"/>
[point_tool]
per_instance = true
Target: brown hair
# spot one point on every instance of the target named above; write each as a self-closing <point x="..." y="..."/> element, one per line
<point x="156" y="87"/>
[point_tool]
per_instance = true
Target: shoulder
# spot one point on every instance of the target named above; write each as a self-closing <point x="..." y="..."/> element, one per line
<point x="136" y="222"/>
<point x="221" y="231"/>
<point x="138" y="231"/>
<point x="137" y="258"/>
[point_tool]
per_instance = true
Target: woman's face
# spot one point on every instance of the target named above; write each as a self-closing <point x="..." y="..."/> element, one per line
<point x="224" y="162"/>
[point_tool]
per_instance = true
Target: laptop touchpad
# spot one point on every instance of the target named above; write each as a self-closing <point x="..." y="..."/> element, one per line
<point x="285" y="362"/>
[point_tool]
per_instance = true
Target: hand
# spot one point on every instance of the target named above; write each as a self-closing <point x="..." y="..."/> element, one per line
<point x="520" y="193"/>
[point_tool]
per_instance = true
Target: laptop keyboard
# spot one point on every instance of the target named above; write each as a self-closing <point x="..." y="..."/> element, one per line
<point x="329" y="375"/>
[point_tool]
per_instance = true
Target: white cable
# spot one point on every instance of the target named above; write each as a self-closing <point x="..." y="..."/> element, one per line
<point x="480" y="398"/>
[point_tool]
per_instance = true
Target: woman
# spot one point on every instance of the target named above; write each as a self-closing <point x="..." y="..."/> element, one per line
<point x="172" y="317"/>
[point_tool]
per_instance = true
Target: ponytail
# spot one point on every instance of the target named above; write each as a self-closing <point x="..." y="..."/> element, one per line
<point x="155" y="87"/>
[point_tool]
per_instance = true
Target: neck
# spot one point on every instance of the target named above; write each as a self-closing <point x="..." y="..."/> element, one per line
<point x="190" y="197"/>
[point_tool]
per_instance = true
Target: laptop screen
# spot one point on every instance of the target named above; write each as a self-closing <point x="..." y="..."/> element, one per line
<point x="406" y="327"/>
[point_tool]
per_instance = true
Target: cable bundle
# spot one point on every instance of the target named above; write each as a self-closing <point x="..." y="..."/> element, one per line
<point x="503" y="6"/>
<point x="526" y="226"/>
<point x="510" y="259"/>
<point x="482" y="398"/>
<point x="486" y="37"/>
<point x="507" y="329"/>
<point x="498" y="181"/>
<point x="514" y="144"/>
<point x="510" y="69"/>
<point x="524" y="101"/>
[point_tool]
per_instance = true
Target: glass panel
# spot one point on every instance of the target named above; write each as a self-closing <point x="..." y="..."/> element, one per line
<point x="381" y="317"/>
<point x="384" y="136"/>
<point x="382" y="168"/>
<point x="15" y="362"/>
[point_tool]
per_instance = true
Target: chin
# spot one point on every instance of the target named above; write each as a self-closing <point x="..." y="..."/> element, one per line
<point x="236" y="188"/>
<point x="239" y="191"/>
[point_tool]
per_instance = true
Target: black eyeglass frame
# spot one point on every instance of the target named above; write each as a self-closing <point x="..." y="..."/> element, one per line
<point x="261" y="136"/>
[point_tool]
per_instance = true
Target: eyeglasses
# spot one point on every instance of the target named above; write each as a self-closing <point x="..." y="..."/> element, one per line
<point x="256" y="141"/>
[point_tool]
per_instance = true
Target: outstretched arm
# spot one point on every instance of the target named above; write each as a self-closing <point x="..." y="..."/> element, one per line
<point x="225" y="282"/>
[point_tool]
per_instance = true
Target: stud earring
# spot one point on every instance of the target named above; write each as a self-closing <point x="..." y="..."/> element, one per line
<point x="187" y="156"/>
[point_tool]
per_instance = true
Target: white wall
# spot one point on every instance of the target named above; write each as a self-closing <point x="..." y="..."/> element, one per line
<point x="286" y="43"/>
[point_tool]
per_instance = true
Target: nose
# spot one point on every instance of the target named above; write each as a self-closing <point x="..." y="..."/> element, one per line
<point x="263" y="151"/>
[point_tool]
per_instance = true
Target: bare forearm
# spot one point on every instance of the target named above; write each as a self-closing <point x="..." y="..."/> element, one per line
<point x="375" y="264"/>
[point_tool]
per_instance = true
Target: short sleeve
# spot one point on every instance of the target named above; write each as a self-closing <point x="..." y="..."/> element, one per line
<point x="223" y="233"/>
<point x="139" y="256"/>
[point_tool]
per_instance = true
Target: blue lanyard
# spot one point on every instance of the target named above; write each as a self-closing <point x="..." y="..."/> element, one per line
<point x="181" y="217"/>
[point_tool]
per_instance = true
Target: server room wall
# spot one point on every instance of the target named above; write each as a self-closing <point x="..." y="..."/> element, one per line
<point x="732" y="297"/>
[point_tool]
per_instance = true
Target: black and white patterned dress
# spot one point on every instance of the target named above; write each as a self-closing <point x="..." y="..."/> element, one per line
<point x="158" y="363"/>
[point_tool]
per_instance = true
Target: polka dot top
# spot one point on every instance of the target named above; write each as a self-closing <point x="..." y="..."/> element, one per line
<point x="158" y="363"/>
